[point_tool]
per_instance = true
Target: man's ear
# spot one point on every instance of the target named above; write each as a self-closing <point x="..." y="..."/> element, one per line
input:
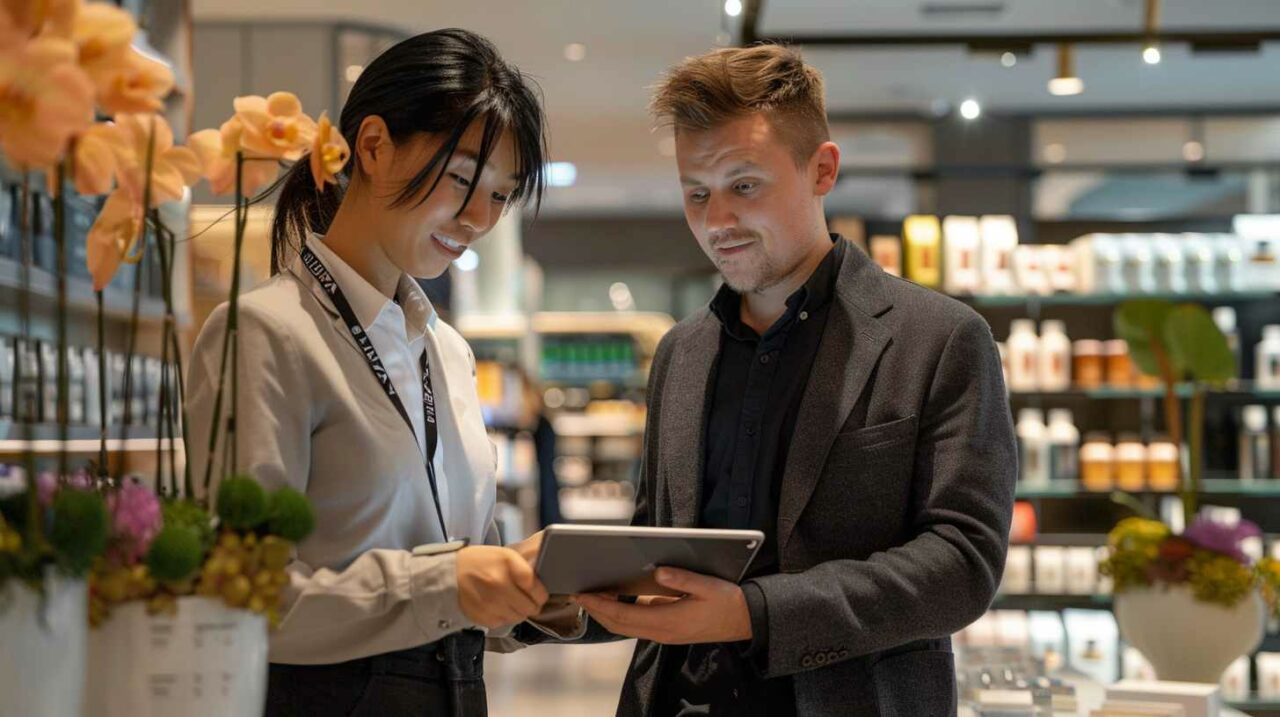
<point x="825" y="168"/>
<point x="373" y="146"/>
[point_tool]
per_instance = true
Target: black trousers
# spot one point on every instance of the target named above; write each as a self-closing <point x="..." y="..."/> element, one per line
<point x="443" y="678"/>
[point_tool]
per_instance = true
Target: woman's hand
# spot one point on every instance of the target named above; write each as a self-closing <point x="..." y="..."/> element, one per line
<point x="496" y="586"/>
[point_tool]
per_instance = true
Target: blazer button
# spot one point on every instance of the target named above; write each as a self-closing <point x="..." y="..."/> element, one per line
<point x="807" y="661"/>
<point x="821" y="659"/>
<point x="832" y="656"/>
<point x="844" y="654"/>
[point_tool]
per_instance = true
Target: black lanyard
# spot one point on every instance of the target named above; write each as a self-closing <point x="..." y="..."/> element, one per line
<point x="330" y="286"/>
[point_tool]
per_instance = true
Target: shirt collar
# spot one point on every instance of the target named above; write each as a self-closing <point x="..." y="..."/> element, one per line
<point x="815" y="293"/>
<point x="367" y="302"/>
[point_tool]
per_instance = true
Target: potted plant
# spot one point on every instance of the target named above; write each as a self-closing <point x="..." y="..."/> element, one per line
<point x="48" y="540"/>
<point x="182" y="600"/>
<point x="1166" y="582"/>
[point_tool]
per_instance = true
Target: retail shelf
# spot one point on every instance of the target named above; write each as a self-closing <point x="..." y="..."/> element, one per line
<point x="1266" y="705"/>
<point x="1111" y="299"/>
<point x="1237" y="392"/>
<point x="1213" y="483"/>
<point x="81" y="440"/>
<point x="117" y="304"/>
<point x="1052" y="602"/>
<point x="479" y="327"/>
<point x="597" y="509"/>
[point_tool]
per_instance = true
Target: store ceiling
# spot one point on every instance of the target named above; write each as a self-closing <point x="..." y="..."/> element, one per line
<point x="597" y="105"/>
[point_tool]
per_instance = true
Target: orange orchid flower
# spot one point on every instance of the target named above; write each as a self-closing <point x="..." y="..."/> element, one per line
<point x="274" y="126"/>
<point x="173" y="168"/>
<point x="45" y="99"/>
<point x="112" y="237"/>
<point x="329" y="153"/>
<point x="217" y="151"/>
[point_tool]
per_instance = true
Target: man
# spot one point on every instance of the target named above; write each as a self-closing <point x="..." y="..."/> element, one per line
<point x="858" y="420"/>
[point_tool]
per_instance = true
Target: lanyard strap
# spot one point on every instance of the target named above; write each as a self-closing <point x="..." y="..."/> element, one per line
<point x="330" y="286"/>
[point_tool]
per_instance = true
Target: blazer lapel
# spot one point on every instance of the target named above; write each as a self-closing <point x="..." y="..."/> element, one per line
<point x="684" y="403"/>
<point x="309" y="282"/>
<point x="851" y="345"/>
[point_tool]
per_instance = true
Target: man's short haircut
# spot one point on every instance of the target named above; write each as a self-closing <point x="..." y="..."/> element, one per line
<point x="723" y="85"/>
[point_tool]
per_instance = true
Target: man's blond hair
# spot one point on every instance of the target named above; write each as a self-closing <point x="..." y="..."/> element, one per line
<point x="709" y="90"/>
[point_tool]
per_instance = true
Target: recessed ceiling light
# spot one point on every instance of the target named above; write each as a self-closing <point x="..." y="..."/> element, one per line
<point x="970" y="109"/>
<point x="1151" y="55"/>
<point x="1066" y="86"/>
<point x="353" y="72"/>
<point x="733" y="8"/>
<point x="575" y="52"/>
<point x="1008" y="59"/>
<point x="1193" y="151"/>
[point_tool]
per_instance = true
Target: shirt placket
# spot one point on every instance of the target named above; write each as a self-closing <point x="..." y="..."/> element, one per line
<point x="764" y="366"/>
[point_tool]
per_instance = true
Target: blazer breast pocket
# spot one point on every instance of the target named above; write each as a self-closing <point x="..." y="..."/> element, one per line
<point x="894" y="437"/>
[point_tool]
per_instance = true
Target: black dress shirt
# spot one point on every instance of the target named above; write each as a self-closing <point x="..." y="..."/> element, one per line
<point x="751" y="416"/>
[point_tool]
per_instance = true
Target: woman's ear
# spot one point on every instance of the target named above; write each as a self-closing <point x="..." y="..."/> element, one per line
<point x="373" y="147"/>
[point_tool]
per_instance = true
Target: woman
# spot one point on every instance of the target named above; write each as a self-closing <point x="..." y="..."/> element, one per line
<point x="352" y="390"/>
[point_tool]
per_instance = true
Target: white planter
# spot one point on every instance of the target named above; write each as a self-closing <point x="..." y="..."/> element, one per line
<point x="42" y="648"/>
<point x="207" y="659"/>
<point x="1187" y="640"/>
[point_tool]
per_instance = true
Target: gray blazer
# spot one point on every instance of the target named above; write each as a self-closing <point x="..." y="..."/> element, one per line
<point x="893" y="520"/>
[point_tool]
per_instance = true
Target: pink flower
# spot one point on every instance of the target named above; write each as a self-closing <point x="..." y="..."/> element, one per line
<point x="135" y="520"/>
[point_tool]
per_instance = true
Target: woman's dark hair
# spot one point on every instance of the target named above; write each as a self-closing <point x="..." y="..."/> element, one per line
<point x="438" y="82"/>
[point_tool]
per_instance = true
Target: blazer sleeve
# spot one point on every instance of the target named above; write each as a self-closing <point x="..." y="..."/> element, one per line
<point x="385" y="600"/>
<point x="946" y="575"/>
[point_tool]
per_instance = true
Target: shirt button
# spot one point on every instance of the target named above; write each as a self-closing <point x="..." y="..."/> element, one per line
<point x="742" y="502"/>
<point x="804" y="315"/>
<point x="751" y="430"/>
<point x="445" y="624"/>
<point x="764" y="359"/>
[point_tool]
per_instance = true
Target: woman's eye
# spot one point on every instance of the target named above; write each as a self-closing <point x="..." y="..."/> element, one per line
<point x="460" y="180"/>
<point x="500" y="198"/>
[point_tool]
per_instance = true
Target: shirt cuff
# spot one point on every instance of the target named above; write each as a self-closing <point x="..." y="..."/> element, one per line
<point x="433" y="588"/>
<point x="758" y="648"/>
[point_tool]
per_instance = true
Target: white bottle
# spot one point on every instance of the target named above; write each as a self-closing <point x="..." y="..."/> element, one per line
<point x="1139" y="264"/>
<point x="6" y="377"/>
<point x="92" y="386"/>
<point x="1267" y="366"/>
<point x="1063" y="446"/>
<point x="1028" y="270"/>
<point x="1033" y="447"/>
<point x="1054" y="362"/>
<point x="1225" y="319"/>
<point x="1255" y="445"/>
<point x="1228" y="264"/>
<point x="1024" y="347"/>
<point x="1170" y="271"/>
<point x="999" y="238"/>
<point x="961" y="259"/>
<point x="1060" y="267"/>
<point x="1199" y="266"/>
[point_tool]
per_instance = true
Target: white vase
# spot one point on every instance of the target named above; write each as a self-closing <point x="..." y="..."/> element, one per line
<point x="42" y="648"/>
<point x="1187" y="640"/>
<point x="205" y="660"/>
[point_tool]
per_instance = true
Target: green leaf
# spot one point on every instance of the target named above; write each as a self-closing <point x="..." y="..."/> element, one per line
<point x="1197" y="346"/>
<point x="1141" y="324"/>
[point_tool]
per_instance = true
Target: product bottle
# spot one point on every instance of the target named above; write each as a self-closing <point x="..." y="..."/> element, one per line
<point x="1255" y="445"/>
<point x="1162" y="464"/>
<point x="6" y="376"/>
<point x="1024" y="349"/>
<point x="1139" y="265"/>
<point x="1267" y="367"/>
<point x="1131" y="459"/>
<point x="1055" y="357"/>
<point x="1033" y="447"/>
<point x="75" y="386"/>
<point x="1228" y="264"/>
<point x="1225" y="318"/>
<point x="1064" y="446"/>
<point x="1097" y="462"/>
<point x="1088" y="369"/>
<point x="1028" y="270"/>
<point x="924" y="256"/>
<point x="92" y="382"/>
<point x="1199" y="266"/>
<point x="1264" y="267"/>
<point x="27" y="384"/>
<point x="960" y="249"/>
<point x="999" y="237"/>
<point x="887" y="252"/>
<point x="1170" y="273"/>
<point x="1120" y="371"/>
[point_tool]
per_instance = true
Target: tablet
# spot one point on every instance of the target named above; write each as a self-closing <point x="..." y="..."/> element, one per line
<point x="620" y="559"/>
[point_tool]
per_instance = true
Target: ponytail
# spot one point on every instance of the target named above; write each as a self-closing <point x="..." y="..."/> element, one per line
<point x="300" y="210"/>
